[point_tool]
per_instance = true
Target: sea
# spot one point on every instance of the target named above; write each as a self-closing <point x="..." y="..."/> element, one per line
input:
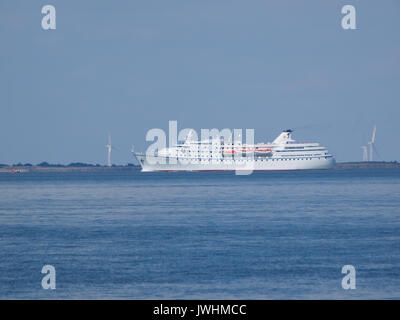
<point x="124" y="234"/>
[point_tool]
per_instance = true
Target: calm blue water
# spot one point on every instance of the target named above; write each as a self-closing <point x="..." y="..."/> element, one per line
<point x="270" y="235"/>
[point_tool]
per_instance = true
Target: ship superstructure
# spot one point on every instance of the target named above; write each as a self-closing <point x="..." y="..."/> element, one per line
<point x="218" y="154"/>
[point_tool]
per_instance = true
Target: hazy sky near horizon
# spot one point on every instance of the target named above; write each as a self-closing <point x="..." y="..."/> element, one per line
<point x="125" y="67"/>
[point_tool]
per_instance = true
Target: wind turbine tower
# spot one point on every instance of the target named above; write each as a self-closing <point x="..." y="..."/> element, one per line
<point x="371" y="144"/>
<point x="109" y="147"/>
<point x="365" y="153"/>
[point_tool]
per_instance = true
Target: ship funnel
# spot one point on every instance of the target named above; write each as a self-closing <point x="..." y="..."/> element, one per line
<point x="284" y="137"/>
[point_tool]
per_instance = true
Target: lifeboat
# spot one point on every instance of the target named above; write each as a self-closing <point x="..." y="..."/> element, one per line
<point x="263" y="150"/>
<point x="229" y="151"/>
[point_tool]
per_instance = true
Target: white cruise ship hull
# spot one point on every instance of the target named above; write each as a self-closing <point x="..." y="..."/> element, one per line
<point x="153" y="163"/>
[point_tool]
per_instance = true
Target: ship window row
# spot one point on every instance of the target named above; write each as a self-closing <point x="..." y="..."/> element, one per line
<point x="229" y="160"/>
<point x="321" y="149"/>
<point x="304" y="155"/>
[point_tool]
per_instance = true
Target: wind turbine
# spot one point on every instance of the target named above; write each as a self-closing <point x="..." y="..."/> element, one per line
<point x="109" y="147"/>
<point x="371" y="144"/>
<point x="365" y="153"/>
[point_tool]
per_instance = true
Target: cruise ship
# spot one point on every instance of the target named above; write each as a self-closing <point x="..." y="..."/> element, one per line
<point x="284" y="153"/>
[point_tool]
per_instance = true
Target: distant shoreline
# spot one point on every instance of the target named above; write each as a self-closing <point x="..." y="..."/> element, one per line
<point x="367" y="164"/>
<point x="70" y="167"/>
<point x="91" y="167"/>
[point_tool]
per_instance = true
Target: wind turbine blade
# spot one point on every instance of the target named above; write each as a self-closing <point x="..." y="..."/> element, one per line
<point x="373" y="134"/>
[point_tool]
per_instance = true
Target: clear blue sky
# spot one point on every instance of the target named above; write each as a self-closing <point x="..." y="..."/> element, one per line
<point x="129" y="66"/>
